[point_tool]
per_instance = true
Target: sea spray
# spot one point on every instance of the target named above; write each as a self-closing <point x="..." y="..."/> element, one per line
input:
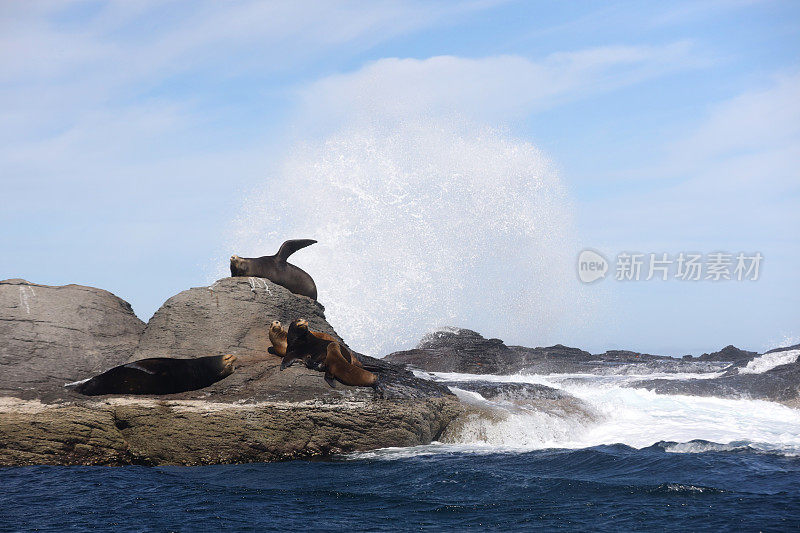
<point x="423" y="223"/>
<point x="621" y="415"/>
<point x="768" y="361"/>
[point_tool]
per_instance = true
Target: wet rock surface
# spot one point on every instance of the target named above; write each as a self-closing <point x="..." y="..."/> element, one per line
<point x="259" y="413"/>
<point x="781" y="383"/>
<point x="729" y="354"/>
<point x="466" y="351"/>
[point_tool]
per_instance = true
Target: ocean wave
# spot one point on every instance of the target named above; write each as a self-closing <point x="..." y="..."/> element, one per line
<point x="702" y="446"/>
<point x="768" y="361"/>
<point x="668" y="488"/>
<point x="601" y="410"/>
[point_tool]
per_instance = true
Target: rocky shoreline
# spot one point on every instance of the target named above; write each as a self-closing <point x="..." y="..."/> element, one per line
<point x="55" y="335"/>
<point x="726" y="374"/>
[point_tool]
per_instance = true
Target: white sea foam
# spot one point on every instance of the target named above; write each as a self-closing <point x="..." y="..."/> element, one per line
<point x="768" y="361"/>
<point x="423" y="223"/>
<point x="543" y="424"/>
<point x="619" y="414"/>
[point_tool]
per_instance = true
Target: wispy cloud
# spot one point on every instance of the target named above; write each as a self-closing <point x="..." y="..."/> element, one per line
<point x="756" y="120"/>
<point x="60" y="61"/>
<point x="493" y="88"/>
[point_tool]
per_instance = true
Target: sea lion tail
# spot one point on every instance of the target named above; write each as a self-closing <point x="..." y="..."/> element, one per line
<point x="75" y="384"/>
<point x="291" y="246"/>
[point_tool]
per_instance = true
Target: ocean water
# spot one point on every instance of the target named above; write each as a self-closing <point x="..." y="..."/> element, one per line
<point x="602" y="456"/>
<point x="608" y="488"/>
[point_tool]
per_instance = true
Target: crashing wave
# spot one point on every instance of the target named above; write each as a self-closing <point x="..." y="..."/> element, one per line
<point x="565" y="412"/>
<point x="768" y="361"/>
<point x="519" y="420"/>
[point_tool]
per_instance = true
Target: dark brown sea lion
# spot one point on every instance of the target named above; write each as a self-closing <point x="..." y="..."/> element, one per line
<point x="277" y="270"/>
<point x="311" y="347"/>
<point x="278" y="337"/>
<point x="160" y="375"/>
<point x="336" y="367"/>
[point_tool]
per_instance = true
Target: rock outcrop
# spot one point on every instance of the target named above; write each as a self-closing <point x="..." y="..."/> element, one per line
<point x="781" y="383"/>
<point x="456" y="350"/>
<point x="259" y="413"/>
<point x="466" y="351"/>
<point x="52" y="335"/>
<point x="730" y="354"/>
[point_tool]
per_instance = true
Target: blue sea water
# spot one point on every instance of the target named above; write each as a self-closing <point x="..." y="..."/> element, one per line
<point x="602" y="488"/>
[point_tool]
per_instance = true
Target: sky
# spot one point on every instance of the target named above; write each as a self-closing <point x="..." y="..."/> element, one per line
<point x="135" y="136"/>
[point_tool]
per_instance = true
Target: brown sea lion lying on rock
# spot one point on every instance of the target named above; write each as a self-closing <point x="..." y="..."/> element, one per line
<point x="325" y="355"/>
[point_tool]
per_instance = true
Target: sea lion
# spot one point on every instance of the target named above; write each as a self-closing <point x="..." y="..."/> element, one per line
<point x="278" y="335"/>
<point x="159" y="375"/>
<point x="311" y="347"/>
<point x="336" y="367"/>
<point x="277" y="270"/>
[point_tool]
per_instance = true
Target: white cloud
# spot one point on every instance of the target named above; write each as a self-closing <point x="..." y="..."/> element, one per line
<point x="765" y="119"/>
<point x="493" y="89"/>
<point x="63" y="61"/>
<point x="134" y="39"/>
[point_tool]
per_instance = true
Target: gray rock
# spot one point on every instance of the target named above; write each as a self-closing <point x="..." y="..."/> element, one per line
<point x="230" y="316"/>
<point x="456" y="350"/>
<point x="52" y="335"/>
<point x="233" y="316"/>
<point x="781" y="384"/>
<point x="128" y="430"/>
<point x="259" y="413"/>
<point x="730" y="354"/>
<point x="465" y="351"/>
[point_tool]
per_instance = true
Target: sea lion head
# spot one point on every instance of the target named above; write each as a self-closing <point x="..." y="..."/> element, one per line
<point x="237" y="266"/>
<point x="276" y="326"/>
<point x="298" y="331"/>
<point x="227" y="363"/>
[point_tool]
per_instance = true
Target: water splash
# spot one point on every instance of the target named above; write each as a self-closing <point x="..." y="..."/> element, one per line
<point x="598" y="411"/>
<point x="768" y="361"/>
<point x="421" y="224"/>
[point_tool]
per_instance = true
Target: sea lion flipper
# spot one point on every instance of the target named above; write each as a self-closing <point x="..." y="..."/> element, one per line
<point x="329" y="379"/>
<point x="288" y="359"/>
<point x="349" y="356"/>
<point x="291" y="246"/>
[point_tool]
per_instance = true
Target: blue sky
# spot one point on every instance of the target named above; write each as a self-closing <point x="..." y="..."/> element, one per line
<point x="133" y="132"/>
